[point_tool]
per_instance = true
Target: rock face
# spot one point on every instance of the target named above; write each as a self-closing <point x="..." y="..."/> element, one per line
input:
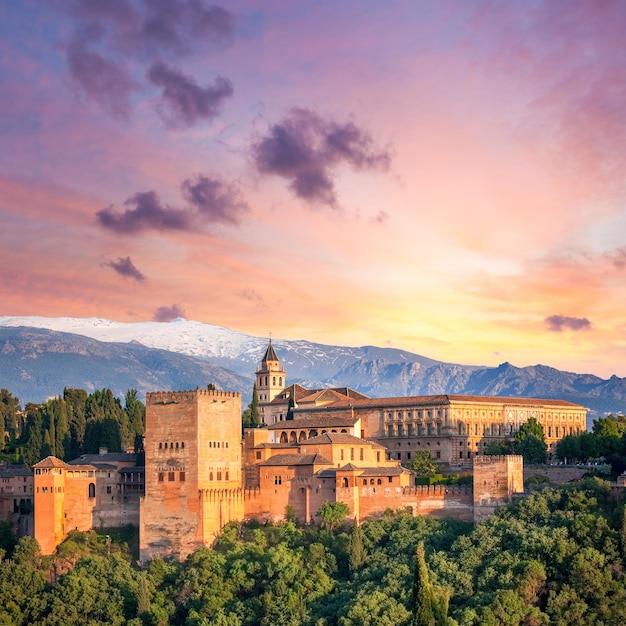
<point x="37" y="362"/>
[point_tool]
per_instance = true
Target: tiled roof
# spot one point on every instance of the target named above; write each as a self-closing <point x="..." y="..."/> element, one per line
<point x="384" y="471"/>
<point x="10" y="471"/>
<point x="109" y="457"/>
<point x="270" y="353"/>
<point x="316" y="421"/>
<point x="50" y="461"/>
<point x="296" y="459"/>
<point x="447" y="399"/>
<point x="301" y="393"/>
<point x="327" y="438"/>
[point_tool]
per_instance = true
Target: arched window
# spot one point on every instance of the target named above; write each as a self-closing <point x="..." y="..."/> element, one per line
<point x="302" y="436"/>
<point x="92" y="490"/>
<point x="160" y="445"/>
<point x="379" y="481"/>
<point x="344" y="482"/>
<point x="283" y="437"/>
<point x="313" y="433"/>
<point x="273" y="380"/>
<point x="182" y="444"/>
<point x="280" y="381"/>
<point x="293" y="438"/>
<point x="177" y="445"/>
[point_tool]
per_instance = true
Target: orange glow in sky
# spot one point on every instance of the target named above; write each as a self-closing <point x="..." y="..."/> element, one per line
<point x="444" y="177"/>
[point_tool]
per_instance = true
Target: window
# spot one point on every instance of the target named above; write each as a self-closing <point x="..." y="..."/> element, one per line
<point x="171" y="476"/>
<point x="258" y="455"/>
<point x="378" y="457"/>
<point x="342" y="454"/>
<point x="390" y="479"/>
<point x="379" y="481"/>
<point x="361" y="454"/>
<point x="278" y="480"/>
<point x="438" y="454"/>
<point x="182" y="445"/>
<point x="181" y="477"/>
<point x="109" y="489"/>
<point x="226" y="475"/>
<point x="210" y="475"/>
<point x="161" y="477"/>
<point x="92" y="490"/>
<point x="352" y="454"/>
<point x="160" y="445"/>
<point x="219" y="475"/>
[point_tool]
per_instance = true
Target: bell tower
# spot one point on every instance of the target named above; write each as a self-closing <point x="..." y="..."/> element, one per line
<point x="270" y="378"/>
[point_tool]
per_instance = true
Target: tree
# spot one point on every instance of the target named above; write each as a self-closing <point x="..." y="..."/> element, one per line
<point x="423" y="465"/>
<point x="250" y="417"/>
<point x="423" y="614"/>
<point x="9" y="406"/>
<point x="333" y="514"/>
<point x="530" y="442"/>
<point x="357" y="549"/>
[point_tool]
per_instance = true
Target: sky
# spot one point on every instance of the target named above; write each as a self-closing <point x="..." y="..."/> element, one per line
<point x="444" y="177"/>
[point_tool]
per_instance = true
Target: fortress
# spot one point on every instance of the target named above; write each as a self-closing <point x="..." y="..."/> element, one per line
<point x="332" y="445"/>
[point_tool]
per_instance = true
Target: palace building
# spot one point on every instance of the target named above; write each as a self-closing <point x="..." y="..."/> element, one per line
<point x="314" y="446"/>
<point x="453" y="429"/>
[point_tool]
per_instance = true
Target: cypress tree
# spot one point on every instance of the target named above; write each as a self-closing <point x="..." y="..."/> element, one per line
<point x="423" y="614"/>
<point x="254" y="407"/>
<point x="357" y="549"/>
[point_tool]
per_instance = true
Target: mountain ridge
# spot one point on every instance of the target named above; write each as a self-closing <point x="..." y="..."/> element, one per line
<point x="162" y="355"/>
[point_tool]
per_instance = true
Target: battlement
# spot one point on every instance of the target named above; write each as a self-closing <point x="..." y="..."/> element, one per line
<point x="495" y="459"/>
<point x="431" y="490"/>
<point x="191" y="395"/>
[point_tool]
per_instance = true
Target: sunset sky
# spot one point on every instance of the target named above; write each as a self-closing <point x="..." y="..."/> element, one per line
<point x="443" y="177"/>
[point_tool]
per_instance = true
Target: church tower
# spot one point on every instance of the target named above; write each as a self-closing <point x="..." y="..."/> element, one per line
<point x="270" y="379"/>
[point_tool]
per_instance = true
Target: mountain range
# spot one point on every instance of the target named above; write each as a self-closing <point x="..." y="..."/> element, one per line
<point x="39" y="356"/>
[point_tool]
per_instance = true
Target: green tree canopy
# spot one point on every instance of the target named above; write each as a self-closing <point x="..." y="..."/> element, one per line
<point x="530" y="442"/>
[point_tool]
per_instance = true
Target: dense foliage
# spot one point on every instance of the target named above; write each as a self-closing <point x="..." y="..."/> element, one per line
<point x="606" y="442"/>
<point x="556" y="557"/>
<point x="72" y="424"/>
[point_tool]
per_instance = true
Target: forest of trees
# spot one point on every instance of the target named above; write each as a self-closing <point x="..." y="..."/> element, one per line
<point x="556" y="557"/>
<point x="71" y="424"/>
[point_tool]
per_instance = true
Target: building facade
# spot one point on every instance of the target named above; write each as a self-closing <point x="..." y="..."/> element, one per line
<point x="334" y="445"/>
<point x="193" y="477"/>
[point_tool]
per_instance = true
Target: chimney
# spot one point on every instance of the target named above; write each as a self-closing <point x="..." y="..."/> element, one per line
<point x="102" y="450"/>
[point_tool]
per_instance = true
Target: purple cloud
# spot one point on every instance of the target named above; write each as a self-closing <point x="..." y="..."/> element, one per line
<point x="145" y="212"/>
<point x="304" y="148"/>
<point x="173" y="25"/>
<point x="100" y="79"/>
<point x="210" y="200"/>
<point x="559" y="323"/>
<point x="215" y="200"/>
<point x="168" y="313"/>
<point x="183" y="101"/>
<point x="125" y="267"/>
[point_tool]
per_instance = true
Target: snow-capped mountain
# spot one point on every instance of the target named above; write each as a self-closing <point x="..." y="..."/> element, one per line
<point x="39" y="356"/>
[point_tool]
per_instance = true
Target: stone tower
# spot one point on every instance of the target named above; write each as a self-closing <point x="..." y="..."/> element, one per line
<point x="270" y="379"/>
<point x="193" y="470"/>
<point x="496" y="480"/>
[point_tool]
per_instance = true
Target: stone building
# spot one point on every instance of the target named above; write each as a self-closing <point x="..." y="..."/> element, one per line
<point x="334" y="445"/>
<point x="16" y="499"/>
<point x="193" y="479"/>
<point x="86" y="493"/>
<point x="453" y="429"/>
